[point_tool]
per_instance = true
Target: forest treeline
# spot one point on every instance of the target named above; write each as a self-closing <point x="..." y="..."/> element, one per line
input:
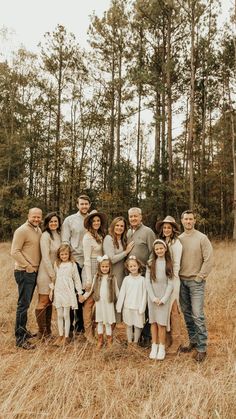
<point x="101" y="120"/>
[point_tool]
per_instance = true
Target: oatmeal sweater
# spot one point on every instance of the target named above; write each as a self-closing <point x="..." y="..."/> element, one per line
<point x="197" y="255"/>
<point x="25" y="248"/>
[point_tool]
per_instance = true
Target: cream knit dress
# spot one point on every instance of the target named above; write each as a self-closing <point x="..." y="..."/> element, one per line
<point x="161" y="289"/>
<point x="49" y="247"/>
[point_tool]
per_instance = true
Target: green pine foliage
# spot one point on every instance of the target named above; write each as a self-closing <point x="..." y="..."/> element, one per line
<point x="113" y="121"/>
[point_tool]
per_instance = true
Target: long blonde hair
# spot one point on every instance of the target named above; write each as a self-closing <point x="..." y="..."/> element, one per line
<point x="110" y="283"/>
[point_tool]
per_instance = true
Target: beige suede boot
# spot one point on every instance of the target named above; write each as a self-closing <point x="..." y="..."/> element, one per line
<point x="109" y="341"/>
<point x="59" y="341"/>
<point x="175" y="334"/>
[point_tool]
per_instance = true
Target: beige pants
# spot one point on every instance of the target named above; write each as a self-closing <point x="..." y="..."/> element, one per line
<point x="88" y="315"/>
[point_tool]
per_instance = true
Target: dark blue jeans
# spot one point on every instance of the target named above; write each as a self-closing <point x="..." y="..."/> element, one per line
<point x="192" y="302"/>
<point x="26" y="284"/>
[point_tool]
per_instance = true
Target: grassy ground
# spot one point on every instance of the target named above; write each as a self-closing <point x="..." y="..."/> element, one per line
<point x="79" y="382"/>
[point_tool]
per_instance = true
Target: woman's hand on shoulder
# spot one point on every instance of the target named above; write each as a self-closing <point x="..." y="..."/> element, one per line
<point x="129" y="247"/>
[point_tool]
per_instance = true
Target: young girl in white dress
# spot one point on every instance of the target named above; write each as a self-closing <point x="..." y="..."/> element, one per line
<point x="105" y="293"/>
<point x="67" y="280"/>
<point x="133" y="299"/>
<point x="159" y="285"/>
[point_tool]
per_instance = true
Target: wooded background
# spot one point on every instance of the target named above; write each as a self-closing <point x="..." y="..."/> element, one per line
<point x="100" y="120"/>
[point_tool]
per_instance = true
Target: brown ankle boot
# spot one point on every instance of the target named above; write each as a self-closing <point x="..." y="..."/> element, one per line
<point x="89" y="337"/>
<point x="100" y="342"/>
<point x="41" y="321"/>
<point x="66" y="341"/>
<point x="59" y="341"/>
<point x="48" y="320"/>
<point x="109" y="341"/>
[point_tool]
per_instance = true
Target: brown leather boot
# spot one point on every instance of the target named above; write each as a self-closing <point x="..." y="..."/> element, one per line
<point x="66" y="341"/>
<point x="59" y="341"/>
<point x="48" y="320"/>
<point x="41" y="321"/>
<point x="109" y="341"/>
<point x="175" y="333"/>
<point x="100" y="342"/>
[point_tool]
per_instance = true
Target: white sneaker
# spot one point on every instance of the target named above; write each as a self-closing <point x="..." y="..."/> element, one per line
<point x="161" y="352"/>
<point x="153" y="353"/>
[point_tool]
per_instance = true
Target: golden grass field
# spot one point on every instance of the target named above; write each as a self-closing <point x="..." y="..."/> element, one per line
<point x="80" y="382"/>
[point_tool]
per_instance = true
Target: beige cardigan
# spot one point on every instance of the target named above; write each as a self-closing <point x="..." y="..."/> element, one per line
<point x="25" y="248"/>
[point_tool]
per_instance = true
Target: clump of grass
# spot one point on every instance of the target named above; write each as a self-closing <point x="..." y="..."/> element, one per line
<point x="81" y="382"/>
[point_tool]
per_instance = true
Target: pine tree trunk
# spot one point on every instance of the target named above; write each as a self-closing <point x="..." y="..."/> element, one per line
<point x="191" y="116"/>
<point x="169" y="98"/>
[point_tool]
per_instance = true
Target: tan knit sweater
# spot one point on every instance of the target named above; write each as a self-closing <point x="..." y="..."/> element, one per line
<point x="25" y="248"/>
<point x="197" y="255"/>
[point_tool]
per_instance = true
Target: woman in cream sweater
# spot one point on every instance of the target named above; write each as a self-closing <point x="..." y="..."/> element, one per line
<point x="168" y="231"/>
<point x="49" y="243"/>
<point x="95" y="224"/>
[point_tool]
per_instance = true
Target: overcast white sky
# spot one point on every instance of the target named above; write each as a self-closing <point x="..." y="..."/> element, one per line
<point x="28" y="20"/>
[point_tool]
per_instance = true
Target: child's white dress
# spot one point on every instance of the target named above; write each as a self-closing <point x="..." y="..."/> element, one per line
<point x="133" y="298"/>
<point x="67" y="280"/>
<point x="105" y="311"/>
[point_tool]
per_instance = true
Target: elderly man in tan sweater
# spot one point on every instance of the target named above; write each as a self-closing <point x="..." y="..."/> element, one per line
<point x="26" y="252"/>
<point x="196" y="264"/>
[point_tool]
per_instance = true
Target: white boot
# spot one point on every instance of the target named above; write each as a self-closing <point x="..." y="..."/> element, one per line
<point x="153" y="353"/>
<point x="161" y="352"/>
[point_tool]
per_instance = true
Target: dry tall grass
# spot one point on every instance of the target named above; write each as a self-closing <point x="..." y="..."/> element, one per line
<point x="79" y="382"/>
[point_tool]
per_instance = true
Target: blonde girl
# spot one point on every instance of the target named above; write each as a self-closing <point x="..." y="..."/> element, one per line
<point x="67" y="280"/>
<point x="105" y="294"/>
<point x="133" y="299"/>
<point x="159" y="285"/>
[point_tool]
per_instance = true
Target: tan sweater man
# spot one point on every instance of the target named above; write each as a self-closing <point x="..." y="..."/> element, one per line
<point x="25" y="251"/>
<point x="196" y="264"/>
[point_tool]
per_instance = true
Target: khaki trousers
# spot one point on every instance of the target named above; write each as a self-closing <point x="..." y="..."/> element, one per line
<point x="88" y="315"/>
